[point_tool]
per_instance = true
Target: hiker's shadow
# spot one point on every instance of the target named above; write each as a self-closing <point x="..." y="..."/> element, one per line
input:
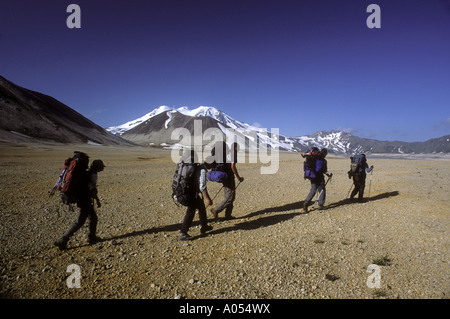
<point x="265" y="221"/>
<point x="296" y="207"/>
<point x="277" y="209"/>
<point x="348" y="201"/>
<point x="248" y="225"/>
<point x="254" y="224"/>
<point x="153" y="230"/>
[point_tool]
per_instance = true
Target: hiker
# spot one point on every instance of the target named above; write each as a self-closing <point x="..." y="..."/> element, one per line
<point x="86" y="192"/>
<point x="315" y="173"/>
<point x="229" y="185"/>
<point x="358" y="170"/>
<point x="235" y="147"/>
<point x="195" y="202"/>
<point x="96" y="167"/>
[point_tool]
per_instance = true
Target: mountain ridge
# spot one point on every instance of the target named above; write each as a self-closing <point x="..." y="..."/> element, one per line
<point x="335" y="141"/>
<point x="30" y="116"/>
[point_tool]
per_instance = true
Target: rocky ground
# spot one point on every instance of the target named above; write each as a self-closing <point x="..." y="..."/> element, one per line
<point x="271" y="250"/>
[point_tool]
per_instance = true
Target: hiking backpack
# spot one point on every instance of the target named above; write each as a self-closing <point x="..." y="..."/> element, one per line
<point x="71" y="179"/>
<point x="183" y="183"/>
<point x="216" y="175"/>
<point x="357" y="164"/>
<point x="309" y="165"/>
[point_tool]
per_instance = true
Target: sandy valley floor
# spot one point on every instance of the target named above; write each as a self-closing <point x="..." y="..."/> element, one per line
<point x="271" y="250"/>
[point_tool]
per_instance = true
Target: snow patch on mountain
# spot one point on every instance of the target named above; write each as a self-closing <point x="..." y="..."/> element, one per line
<point x="120" y="129"/>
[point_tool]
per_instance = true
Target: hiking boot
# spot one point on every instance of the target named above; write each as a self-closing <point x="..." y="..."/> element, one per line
<point x="215" y="214"/>
<point x="184" y="236"/>
<point x="61" y="243"/>
<point x="203" y="230"/>
<point x="229" y="217"/>
<point x="93" y="240"/>
<point x="305" y="208"/>
<point x="321" y="207"/>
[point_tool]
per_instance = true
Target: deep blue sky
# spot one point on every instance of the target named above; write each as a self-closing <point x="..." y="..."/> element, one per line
<point x="300" y="66"/>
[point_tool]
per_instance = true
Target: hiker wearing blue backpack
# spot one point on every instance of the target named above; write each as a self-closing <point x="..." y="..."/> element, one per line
<point x="315" y="167"/>
<point x="220" y="153"/>
<point x="358" y="170"/>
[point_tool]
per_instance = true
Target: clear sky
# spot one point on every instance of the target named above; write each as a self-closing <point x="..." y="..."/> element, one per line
<point x="300" y="66"/>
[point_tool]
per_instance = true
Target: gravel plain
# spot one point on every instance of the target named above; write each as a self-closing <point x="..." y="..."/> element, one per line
<point x="271" y="250"/>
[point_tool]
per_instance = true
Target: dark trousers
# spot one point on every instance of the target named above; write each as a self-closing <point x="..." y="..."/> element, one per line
<point x="360" y="185"/>
<point x="317" y="185"/>
<point x="195" y="204"/>
<point x="86" y="211"/>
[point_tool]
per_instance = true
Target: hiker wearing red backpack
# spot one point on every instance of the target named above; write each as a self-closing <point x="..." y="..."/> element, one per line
<point x="358" y="170"/>
<point x="84" y="195"/>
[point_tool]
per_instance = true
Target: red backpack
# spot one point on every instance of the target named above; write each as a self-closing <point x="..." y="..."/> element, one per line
<point x="71" y="177"/>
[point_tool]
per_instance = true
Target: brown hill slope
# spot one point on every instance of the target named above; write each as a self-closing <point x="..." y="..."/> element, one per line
<point x="28" y="116"/>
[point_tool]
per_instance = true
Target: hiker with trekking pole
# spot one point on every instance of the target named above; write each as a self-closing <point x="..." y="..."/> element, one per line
<point x="82" y="191"/>
<point x="315" y="167"/>
<point x="220" y="152"/>
<point x="358" y="170"/>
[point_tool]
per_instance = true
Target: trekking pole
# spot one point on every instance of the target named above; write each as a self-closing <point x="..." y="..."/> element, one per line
<point x="68" y="212"/>
<point x="217" y="193"/>
<point x="349" y="191"/>
<point x="317" y="199"/>
<point x="221" y="189"/>
<point x="370" y="182"/>
<point x="237" y="185"/>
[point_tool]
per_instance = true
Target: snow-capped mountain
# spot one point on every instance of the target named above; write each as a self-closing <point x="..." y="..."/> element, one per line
<point x="199" y="111"/>
<point x="155" y="128"/>
<point x="336" y="142"/>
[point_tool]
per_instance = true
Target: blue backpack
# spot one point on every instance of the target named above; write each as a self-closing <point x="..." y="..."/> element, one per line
<point x="217" y="176"/>
<point x="310" y="163"/>
<point x="311" y="169"/>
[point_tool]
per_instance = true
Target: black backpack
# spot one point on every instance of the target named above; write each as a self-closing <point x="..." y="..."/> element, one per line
<point x="357" y="165"/>
<point x="183" y="184"/>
